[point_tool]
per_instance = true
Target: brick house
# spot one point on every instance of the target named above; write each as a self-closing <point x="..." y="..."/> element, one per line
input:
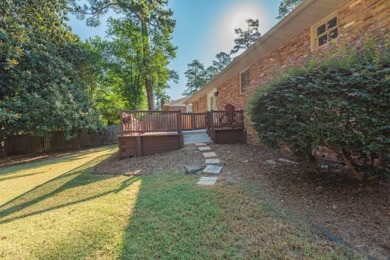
<point x="309" y="27"/>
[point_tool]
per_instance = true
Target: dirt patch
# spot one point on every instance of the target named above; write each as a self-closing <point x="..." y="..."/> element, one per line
<point x="358" y="213"/>
<point x="152" y="164"/>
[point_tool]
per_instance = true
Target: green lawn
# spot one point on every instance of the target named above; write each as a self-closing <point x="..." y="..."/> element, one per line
<point x="56" y="209"/>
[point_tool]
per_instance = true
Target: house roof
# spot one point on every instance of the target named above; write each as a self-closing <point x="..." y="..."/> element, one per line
<point x="178" y="102"/>
<point x="305" y="15"/>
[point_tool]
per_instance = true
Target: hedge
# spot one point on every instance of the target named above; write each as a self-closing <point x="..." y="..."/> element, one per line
<point x="339" y="98"/>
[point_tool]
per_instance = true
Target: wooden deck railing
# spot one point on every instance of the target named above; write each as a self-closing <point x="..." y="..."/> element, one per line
<point x="142" y="122"/>
<point x="193" y="121"/>
<point x="219" y="120"/>
<point x="224" y="119"/>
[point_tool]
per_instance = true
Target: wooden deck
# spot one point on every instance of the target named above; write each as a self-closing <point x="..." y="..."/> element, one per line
<point x="140" y="145"/>
<point x="150" y="132"/>
<point x="226" y="127"/>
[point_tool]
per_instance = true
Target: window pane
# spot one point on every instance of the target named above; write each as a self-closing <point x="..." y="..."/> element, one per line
<point x="321" y="29"/>
<point x="333" y="34"/>
<point x="322" y="40"/>
<point x="332" y="23"/>
<point x="245" y="79"/>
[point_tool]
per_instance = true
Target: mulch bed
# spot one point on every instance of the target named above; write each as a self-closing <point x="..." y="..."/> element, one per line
<point x="358" y="213"/>
<point x="152" y="164"/>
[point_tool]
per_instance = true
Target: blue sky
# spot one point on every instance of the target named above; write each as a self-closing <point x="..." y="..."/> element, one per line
<point x="203" y="29"/>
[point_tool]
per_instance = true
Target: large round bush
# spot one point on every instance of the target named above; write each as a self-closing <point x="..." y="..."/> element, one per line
<point x="340" y="100"/>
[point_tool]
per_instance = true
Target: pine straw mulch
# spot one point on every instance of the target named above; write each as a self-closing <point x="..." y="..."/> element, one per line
<point x="357" y="213"/>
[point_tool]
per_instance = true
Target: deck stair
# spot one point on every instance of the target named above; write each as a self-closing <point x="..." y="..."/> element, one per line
<point x="196" y="136"/>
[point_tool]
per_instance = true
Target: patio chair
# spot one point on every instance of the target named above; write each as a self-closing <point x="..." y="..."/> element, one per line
<point x="229" y="117"/>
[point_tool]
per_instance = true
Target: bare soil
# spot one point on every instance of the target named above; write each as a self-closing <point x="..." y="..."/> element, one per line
<point x="357" y="213"/>
<point x="152" y="164"/>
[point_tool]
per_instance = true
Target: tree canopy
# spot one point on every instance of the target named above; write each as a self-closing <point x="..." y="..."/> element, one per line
<point x="246" y="37"/>
<point x="197" y="75"/>
<point x="147" y="26"/>
<point x="45" y="74"/>
<point x="286" y="6"/>
<point x="223" y="60"/>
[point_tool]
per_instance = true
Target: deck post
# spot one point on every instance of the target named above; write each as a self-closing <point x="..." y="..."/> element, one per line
<point x="139" y="146"/>
<point x="121" y="127"/>
<point x="243" y="118"/>
<point x="179" y="127"/>
<point x="193" y="121"/>
<point x="212" y="125"/>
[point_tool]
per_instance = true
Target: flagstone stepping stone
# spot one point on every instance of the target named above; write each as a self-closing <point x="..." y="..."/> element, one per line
<point x="214" y="169"/>
<point x="204" y="148"/>
<point x="272" y="162"/>
<point x="213" y="161"/>
<point x="210" y="154"/>
<point x="200" y="144"/>
<point x="196" y="169"/>
<point x="207" y="180"/>
<point x="287" y="161"/>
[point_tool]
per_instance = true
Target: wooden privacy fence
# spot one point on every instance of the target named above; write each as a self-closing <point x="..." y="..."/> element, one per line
<point x="27" y="144"/>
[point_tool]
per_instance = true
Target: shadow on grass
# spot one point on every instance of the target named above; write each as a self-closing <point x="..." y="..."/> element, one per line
<point x="173" y="219"/>
<point x="72" y="179"/>
<point x="19" y="176"/>
<point x="121" y="187"/>
<point x="12" y="169"/>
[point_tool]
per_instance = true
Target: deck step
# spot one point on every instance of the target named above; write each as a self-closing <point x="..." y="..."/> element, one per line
<point x="197" y="136"/>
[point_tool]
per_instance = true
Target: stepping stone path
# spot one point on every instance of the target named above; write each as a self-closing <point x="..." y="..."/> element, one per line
<point x="194" y="169"/>
<point x="214" y="169"/>
<point x="204" y="148"/>
<point x="210" y="154"/>
<point x="212" y="162"/>
<point x="207" y="180"/>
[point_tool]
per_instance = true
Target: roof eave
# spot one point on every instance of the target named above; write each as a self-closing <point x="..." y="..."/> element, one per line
<point x="257" y="46"/>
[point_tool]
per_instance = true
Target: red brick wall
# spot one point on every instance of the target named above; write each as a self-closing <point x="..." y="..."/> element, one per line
<point x="354" y="17"/>
<point x="200" y="105"/>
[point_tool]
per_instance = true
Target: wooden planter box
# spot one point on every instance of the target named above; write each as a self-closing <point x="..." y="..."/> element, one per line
<point x="140" y="145"/>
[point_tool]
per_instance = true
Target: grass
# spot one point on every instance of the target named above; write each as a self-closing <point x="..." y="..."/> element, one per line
<point x="56" y="209"/>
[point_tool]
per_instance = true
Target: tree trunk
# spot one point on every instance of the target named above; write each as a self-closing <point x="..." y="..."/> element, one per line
<point x="146" y="63"/>
<point x="347" y="162"/>
<point x="149" y="92"/>
<point x="2" y="144"/>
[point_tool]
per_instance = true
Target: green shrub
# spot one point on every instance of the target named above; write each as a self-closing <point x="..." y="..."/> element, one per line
<point x="339" y="98"/>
